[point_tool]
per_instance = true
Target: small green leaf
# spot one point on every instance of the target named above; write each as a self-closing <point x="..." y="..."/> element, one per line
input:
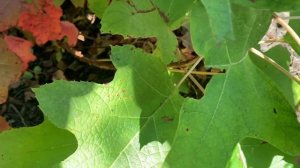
<point x="260" y="154"/>
<point x="41" y="146"/>
<point x="27" y="75"/>
<point x="121" y="18"/>
<point x="78" y="3"/>
<point x="58" y="2"/>
<point x="97" y="6"/>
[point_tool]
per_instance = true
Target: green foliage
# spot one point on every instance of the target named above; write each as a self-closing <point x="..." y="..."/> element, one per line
<point x="133" y="117"/>
<point x="221" y="25"/>
<point x="173" y="10"/>
<point x="274" y="5"/>
<point x="140" y="120"/>
<point x="231" y="111"/>
<point x="78" y="3"/>
<point x="261" y="154"/>
<point x="40" y="146"/>
<point x="296" y="27"/>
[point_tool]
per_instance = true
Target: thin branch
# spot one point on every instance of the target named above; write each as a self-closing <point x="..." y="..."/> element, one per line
<point x="199" y="86"/>
<point x="103" y="60"/>
<point x="19" y="114"/>
<point x="183" y="64"/>
<point x="291" y="17"/>
<point x="195" y="72"/>
<point x="277" y="66"/>
<point x="288" y="28"/>
<point x="189" y="72"/>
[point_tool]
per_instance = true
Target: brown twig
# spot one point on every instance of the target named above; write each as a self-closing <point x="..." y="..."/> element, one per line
<point x="100" y="63"/>
<point x="199" y="86"/>
<point x="188" y="72"/>
<point x="195" y="72"/>
<point x="182" y="64"/>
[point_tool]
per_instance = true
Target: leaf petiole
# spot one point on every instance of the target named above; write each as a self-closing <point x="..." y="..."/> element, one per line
<point x="287" y="27"/>
<point x="277" y="66"/>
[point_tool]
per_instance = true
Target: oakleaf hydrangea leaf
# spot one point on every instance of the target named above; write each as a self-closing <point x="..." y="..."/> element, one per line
<point x="41" y="146"/>
<point x="244" y="102"/>
<point x="118" y="123"/>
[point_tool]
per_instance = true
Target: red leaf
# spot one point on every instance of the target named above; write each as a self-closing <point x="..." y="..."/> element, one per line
<point x="3" y="124"/>
<point x="22" y="48"/>
<point x="42" y="21"/>
<point x="69" y="30"/>
<point x="9" y="13"/>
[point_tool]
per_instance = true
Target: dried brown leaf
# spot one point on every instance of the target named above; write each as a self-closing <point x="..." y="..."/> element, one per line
<point x="9" y="13"/>
<point x="10" y="69"/>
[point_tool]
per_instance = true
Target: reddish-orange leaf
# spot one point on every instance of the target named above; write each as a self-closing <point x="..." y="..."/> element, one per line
<point x="9" y="13"/>
<point x="3" y="124"/>
<point x="22" y="48"/>
<point x="10" y="69"/>
<point x="69" y="30"/>
<point x="42" y="19"/>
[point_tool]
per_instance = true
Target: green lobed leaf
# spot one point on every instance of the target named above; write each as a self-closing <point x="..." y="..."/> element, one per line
<point x="129" y="122"/>
<point x="145" y="124"/>
<point x="121" y="18"/>
<point x="41" y="146"/>
<point x="243" y="102"/>
<point x="248" y="28"/>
